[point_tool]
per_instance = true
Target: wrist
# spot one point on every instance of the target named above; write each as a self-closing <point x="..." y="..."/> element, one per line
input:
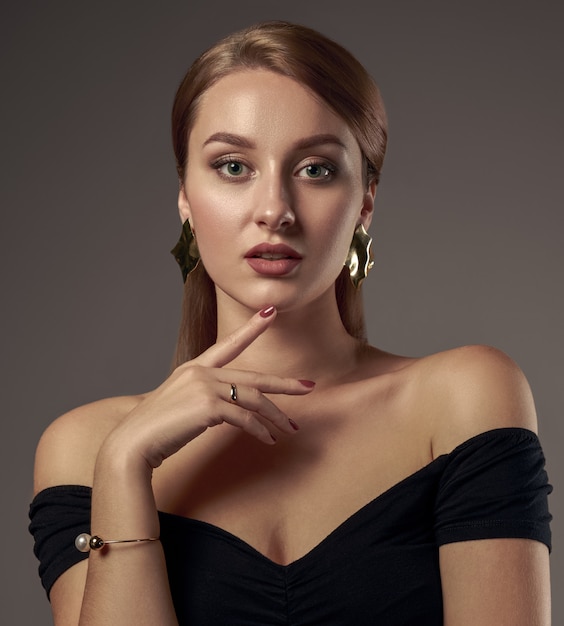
<point x="123" y="503"/>
<point x="117" y="458"/>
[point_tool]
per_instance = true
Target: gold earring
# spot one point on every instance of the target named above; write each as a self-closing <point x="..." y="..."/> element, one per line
<point x="360" y="259"/>
<point x="186" y="251"/>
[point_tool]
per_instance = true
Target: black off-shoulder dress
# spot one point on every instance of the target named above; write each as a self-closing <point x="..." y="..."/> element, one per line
<point x="380" y="566"/>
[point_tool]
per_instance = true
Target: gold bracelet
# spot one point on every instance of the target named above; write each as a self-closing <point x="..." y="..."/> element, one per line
<point x="84" y="542"/>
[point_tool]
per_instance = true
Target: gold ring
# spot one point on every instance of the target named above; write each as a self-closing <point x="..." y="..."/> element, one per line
<point x="233" y="393"/>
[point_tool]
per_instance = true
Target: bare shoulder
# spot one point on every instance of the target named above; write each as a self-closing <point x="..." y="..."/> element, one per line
<point x="67" y="450"/>
<point x="471" y="390"/>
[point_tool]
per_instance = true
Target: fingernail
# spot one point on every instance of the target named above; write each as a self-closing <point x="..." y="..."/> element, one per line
<point x="293" y="424"/>
<point x="273" y="438"/>
<point x="267" y="312"/>
<point x="307" y="383"/>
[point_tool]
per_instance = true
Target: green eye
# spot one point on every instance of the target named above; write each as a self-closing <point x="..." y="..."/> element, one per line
<point x="314" y="171"/>
<point x="317" y="171"/>
<point x="234" y="169"/>
<point x="229" y="168"/>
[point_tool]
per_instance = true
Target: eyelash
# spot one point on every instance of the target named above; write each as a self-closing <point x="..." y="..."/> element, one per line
<point x="217" y="165"/>
<point x="331" y="169"/>
<point x="226" y="160"/>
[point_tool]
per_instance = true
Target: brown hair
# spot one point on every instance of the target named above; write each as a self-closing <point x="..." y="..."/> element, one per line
<point x="333" y="74"/>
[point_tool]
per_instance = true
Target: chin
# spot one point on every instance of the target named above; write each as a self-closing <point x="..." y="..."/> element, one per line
<point x="255" y="299"/>
<point x="285" y="297"/>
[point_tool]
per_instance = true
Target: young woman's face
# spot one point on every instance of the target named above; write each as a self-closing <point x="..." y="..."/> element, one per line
<point x="273" y="190"/>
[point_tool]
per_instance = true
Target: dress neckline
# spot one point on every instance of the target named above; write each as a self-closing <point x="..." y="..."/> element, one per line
<point x="433" y="466"/>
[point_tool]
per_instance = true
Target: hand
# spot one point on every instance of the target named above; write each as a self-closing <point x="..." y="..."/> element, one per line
<point x="197" y="396"/>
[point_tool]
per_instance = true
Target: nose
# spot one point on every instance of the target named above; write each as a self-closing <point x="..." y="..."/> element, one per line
<point x="274" y="206"/>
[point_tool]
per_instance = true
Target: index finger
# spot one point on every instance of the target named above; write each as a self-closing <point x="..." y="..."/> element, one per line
<point x="227" y="349"/>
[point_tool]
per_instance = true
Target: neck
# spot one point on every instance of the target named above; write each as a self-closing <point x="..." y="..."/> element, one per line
<point x="310" y="342"/>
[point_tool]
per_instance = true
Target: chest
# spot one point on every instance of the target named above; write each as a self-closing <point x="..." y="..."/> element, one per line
<point x="284" y="499"/>
<point x="380" y="566"/>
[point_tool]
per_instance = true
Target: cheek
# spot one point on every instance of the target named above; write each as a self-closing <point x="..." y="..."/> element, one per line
<point x="336" y="226"/>
<point x="212" y="213"/>
<point x="341" y="245"/>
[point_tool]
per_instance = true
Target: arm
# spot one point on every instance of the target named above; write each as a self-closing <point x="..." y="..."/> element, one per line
<point x="127" y="583"/>
<point x="117" y="586"/>
<point x="491" y="582"/>
<point x="495" y="582"/>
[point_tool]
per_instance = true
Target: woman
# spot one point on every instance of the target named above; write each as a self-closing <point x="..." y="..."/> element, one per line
<point x="391" y="490"/>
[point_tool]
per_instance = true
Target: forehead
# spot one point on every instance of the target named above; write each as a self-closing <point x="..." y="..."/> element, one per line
<point x="266" y="107"/>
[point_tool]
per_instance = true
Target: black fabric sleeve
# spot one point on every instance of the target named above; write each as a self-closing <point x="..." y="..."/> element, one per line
<point x="494" y="486"/>
<point x="58" y="515"/>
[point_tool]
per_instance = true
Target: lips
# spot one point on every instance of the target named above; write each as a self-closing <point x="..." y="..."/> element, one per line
<point x="272" y="251"/>
<point x="270" y="259"/>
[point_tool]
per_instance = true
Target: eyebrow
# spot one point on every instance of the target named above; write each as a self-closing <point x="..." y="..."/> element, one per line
<point x="230" y="138"/>
<point x="302" y="144"/>
<point x="319" y="140"/>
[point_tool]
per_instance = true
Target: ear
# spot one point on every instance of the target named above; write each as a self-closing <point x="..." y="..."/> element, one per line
<point x="367" y="210"/>
<point x="183" y="205"/>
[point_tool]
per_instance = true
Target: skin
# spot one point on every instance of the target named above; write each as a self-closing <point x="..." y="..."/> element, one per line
<point x="173" y="448"/>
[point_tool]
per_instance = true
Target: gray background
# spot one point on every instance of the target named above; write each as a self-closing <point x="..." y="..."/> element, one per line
<point x="468" y="230"/>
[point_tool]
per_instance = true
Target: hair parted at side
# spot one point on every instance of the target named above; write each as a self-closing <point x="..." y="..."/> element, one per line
<point x="330" y="72"/>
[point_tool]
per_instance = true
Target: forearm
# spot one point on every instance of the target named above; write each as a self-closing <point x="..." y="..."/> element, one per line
<point x="127" y="583"/>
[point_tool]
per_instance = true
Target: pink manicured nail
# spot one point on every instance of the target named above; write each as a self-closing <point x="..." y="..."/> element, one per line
<point x="293" y="424"/>
<point x="267" y="312"/>
<point x="307" y="383"/>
